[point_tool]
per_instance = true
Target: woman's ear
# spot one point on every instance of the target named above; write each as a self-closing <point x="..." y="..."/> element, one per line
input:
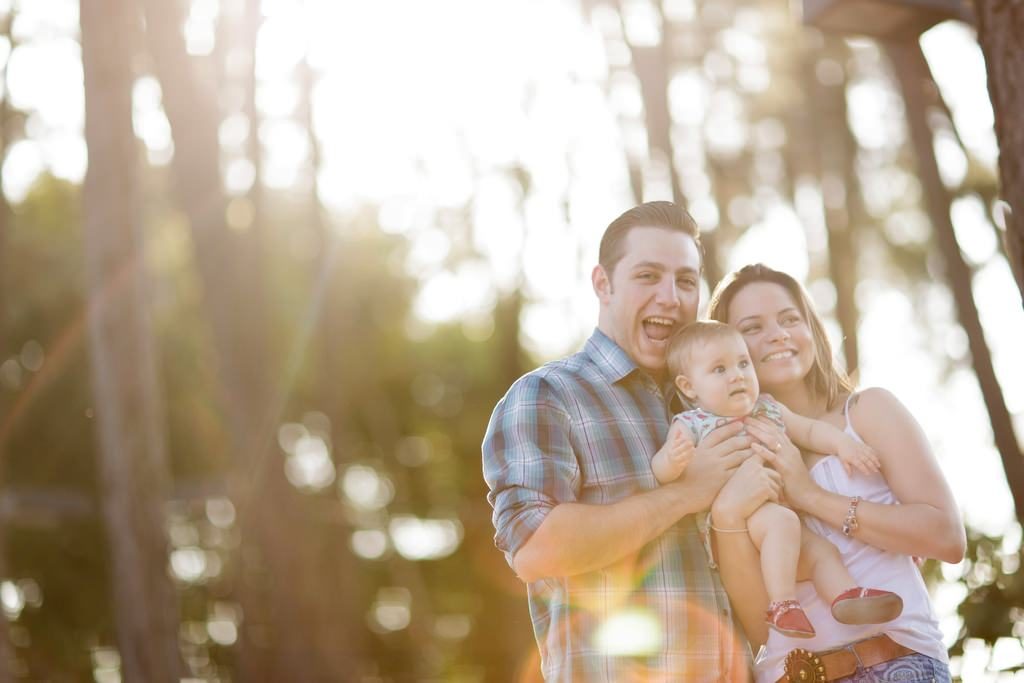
<point x="602" y="284"/>
<point x="684" y="385"/>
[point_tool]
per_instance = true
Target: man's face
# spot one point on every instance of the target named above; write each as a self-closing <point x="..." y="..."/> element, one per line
<point x="652" y="291"/>
<point x="719" y="377"/>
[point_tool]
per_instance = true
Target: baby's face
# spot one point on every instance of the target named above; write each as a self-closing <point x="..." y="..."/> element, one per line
<point x="720" y="377"/>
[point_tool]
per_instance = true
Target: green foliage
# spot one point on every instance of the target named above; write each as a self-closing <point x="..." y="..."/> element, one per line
<point x="994" y="606"/>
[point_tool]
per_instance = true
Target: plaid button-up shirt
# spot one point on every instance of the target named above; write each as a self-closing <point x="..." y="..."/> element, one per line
<point x="583" y="429"/>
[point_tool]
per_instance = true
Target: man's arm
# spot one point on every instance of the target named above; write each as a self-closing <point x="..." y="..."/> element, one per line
<point x="575" y="538"/>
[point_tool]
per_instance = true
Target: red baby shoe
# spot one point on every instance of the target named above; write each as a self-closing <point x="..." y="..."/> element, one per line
<point x="789" y="619"/>
<point x="866" y="606"/>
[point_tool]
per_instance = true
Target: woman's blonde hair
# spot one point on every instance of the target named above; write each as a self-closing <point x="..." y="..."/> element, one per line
<point x="825" y="379"/>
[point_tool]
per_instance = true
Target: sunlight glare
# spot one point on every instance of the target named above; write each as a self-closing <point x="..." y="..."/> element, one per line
<point x="999" y="307"/>
<point x="630" y="634"/>
<point x="370" y="544"/>
<point x="875" y="115"/>
<point x="277" y="99"/>
<point x="106" y="665"/>
<point x="778" y="240"/>
<point x="23" y="165"/>
<point x="286" y="148"/>
<point x="973" y="230"/>
<point x="47" y="78"/>
<point x="453" y="626"/>
<point x="10" y="374"/>
<point x="310" y="465"/>
<point x="391" y="611"/>
<point x="32" y="355"/>
<point x="222" y="631"/>
<point x="365" y="488"/>
<point x="958" y="66"/>
<point x="289" y="434"/>
<point x="234" y="131"/>
<point x="424" y="539"/>
<point x="642" y="22"/>
<point x="12" y="599"/>
<point x="201" y="26"/>
<point x="220" y="512"/>
<point x="188" y="564"/>
<point x="447" y="295"/>
<point x="950" y="158"/>
<point x="724" y="125"/>
<point x="688" y="96"/>
<point x="31" y="593"/>
<point x="280" y="44"/>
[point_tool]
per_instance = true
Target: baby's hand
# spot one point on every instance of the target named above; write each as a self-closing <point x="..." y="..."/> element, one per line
<point x="855" y="454"/>
<point x="680" y="451"/>
<point x="673" y="457"/>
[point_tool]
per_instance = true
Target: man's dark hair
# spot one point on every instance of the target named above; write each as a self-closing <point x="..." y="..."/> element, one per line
<point x="661" y="214"/>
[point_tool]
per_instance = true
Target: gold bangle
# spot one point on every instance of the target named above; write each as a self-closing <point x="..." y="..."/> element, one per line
<point x="729" y="531"/>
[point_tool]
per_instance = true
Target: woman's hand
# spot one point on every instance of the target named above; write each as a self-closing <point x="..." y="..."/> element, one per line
<point x="772" y="444"/>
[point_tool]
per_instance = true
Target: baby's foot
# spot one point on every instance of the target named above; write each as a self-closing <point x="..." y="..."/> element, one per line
<point x="866" y="606"/>
<point x="789" y="619"/>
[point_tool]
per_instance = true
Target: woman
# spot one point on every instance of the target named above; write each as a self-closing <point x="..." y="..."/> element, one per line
<point x="879" y="523"/>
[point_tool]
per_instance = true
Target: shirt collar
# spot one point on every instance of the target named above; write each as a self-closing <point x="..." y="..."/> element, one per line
<point x="611" y="360"/>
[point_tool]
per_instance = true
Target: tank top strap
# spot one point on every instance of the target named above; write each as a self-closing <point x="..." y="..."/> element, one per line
<point x="846" y="416"/>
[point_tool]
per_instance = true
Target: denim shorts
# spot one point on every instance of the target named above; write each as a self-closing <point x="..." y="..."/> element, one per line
<point x="912" y="668"/>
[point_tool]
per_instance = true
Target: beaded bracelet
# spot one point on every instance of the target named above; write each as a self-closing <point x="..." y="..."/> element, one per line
<point x="850" y="524"/>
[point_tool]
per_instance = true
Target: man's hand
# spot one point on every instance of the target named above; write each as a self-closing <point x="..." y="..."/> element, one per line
<point x="750" y="486"/>
<point x="714" y="460"/>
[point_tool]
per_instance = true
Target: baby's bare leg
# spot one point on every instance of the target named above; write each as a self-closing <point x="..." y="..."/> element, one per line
<point x="821" y="563"/>
<point x="775" y="530"/>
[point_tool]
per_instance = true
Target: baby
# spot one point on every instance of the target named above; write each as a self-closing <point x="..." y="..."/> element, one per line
<point x="713" y="371"/>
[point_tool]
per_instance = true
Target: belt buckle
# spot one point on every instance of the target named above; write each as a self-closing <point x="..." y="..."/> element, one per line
<point x="803" y="666"/>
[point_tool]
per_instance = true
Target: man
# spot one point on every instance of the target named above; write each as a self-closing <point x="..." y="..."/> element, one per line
<point x="618" y="580"/>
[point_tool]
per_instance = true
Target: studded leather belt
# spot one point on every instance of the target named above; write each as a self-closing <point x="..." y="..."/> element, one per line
<point x="803" y="666"/>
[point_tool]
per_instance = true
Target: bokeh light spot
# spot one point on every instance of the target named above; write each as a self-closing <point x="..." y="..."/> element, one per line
<point x="630" y="633"/>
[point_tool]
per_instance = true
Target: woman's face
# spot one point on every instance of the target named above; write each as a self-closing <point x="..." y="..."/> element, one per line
<point x="777" y="334"/>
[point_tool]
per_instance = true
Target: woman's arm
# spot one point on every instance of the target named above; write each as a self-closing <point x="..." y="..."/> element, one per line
<point x="739" y="563"/>
<point x="909" y="467"/>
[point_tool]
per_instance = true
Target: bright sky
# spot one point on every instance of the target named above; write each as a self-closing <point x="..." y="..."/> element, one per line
<point x="420" y="112"/>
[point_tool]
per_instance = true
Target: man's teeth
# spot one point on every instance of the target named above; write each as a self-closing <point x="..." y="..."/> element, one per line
<point x="668" y="322"/>
<point x="779" y="354"/>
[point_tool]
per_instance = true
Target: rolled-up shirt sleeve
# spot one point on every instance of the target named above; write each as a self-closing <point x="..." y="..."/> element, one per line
<point x="528" y="461"/>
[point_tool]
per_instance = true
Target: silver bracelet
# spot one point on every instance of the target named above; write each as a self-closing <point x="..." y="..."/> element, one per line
<point x="729" y="531"/>
<point x="850" y="524"/>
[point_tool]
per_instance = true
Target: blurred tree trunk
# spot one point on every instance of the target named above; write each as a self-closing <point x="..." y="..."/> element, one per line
<point x="251" y="22"/>
<point x="919" y="90"/>
<point x="1000" y="26"/>
<point x="840" y="189"/>
<point x="653" y="66"/>
<point x="133" y="467"/>
<point x="7" y="653"/>
<point x="340" y="622"/>
<point x="278" y="630"/>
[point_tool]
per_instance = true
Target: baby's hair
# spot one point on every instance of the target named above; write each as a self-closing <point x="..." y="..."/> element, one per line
<point x="698" y="332"/>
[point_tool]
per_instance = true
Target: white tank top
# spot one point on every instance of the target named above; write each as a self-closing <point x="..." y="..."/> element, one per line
<point x="916" y="628"/>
